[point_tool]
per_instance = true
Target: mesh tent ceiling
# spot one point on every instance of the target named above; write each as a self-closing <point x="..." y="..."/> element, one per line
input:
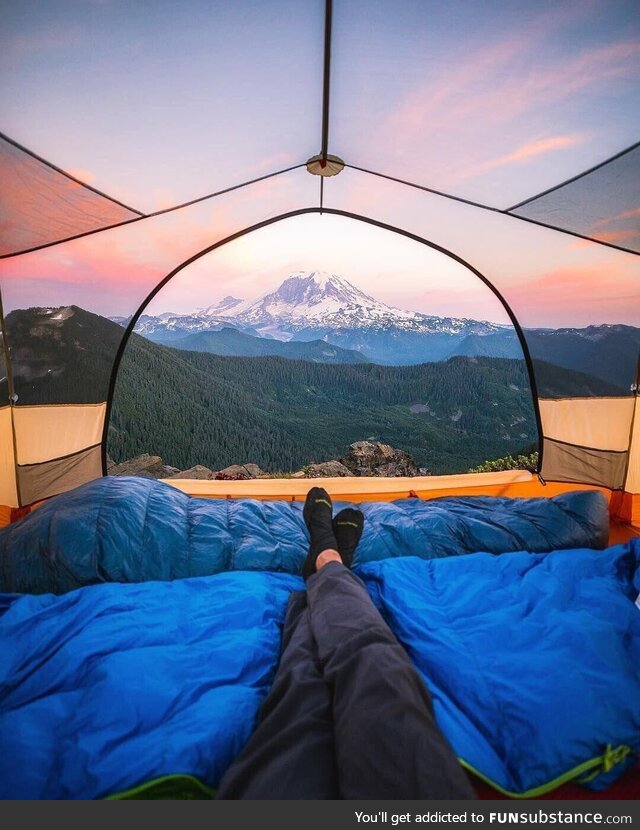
<point x="136" y="136"/>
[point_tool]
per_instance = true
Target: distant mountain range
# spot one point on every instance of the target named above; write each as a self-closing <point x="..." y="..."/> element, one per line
<point x="66" y="355"/>
<point x="316" y="307"/>
<point x="198" y="408"/>
<point x="320" y="306"/>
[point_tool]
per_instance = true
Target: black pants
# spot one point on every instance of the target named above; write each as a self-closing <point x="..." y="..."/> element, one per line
<point x="347" y="716"/>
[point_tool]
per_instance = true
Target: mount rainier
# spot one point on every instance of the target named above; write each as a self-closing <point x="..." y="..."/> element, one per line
<point x="317" y="306"/>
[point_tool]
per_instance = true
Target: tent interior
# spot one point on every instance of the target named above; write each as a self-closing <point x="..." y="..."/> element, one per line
<point x="184" y="169"/>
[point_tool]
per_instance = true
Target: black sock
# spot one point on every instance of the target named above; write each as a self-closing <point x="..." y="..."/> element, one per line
<point x="318" y="512"/>
<point x="347" y="527"/>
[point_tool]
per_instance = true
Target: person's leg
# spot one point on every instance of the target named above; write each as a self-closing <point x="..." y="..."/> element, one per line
<point x="291" y="753"/>
<point x="387" y="742"/>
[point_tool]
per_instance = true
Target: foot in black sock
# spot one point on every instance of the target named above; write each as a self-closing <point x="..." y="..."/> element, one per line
<point x="347" y="527"/>
<point x="317" y="513"/>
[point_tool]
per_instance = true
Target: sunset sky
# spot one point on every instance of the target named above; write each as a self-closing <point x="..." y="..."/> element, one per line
<point x="385" y="265"/>
<point x="160" y="102"/>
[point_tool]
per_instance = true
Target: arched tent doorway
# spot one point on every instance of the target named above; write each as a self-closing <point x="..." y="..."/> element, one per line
<point x="465" y="344"/>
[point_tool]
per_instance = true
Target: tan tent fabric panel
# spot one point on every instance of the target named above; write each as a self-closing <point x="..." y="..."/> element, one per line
<point x="632" y="484"/>
<point x="598" y="423"/>
<point x="565" y="462"/>
<point x="8" y="494"/>
<point x="48" y="432"/>
<point x="39" y="481"/>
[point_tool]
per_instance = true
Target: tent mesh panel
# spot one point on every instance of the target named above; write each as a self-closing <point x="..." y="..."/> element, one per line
<point x="603" y="204"/>
<point x="40" y="205"/>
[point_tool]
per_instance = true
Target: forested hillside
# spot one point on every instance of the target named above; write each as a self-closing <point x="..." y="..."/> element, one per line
<point x="194" y="408"/>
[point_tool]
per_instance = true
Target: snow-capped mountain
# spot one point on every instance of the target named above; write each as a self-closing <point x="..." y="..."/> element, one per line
<point x="310" y="302"/>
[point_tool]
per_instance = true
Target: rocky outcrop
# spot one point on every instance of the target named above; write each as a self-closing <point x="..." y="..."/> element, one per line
<point x="143" y="466"/>
<point x="372" y="458"/>
<point x="363" y="458"/>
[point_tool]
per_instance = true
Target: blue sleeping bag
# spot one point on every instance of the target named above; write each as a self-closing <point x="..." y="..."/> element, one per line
<point x="135" y="530"/>
<point x="112" y="685"/>
<point x="533" y="661"/>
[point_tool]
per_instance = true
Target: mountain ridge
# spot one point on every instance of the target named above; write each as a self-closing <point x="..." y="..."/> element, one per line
<point x="313" y="300"/>
<point x="313" y="306"/>
<point x="232" y="342"/>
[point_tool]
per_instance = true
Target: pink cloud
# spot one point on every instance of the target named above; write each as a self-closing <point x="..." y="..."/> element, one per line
<point x="83" y="175"/>
<point x="626" y="236"/>
<point x="617" y="236"/>
<point x="579" y="295"/>
<point x="627" y="214"/>
<point x="497" y="84"/>
<point x="525" y="152"/>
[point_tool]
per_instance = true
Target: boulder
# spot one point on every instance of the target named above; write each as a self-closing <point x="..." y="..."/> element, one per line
<point x="198" y="471"/>
<point x="326" y="469"/>
<point x="143" y="466"/>
<point x="241" y="471"/>
<point x="372" y="458"/>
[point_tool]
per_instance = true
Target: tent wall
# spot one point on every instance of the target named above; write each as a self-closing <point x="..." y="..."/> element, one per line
<point x="47" y="433"/>
<point x="39" y="481"/>
<point x="587" y="439"/>
<point x="58" y="448"/>
<point x="602" y="203"/>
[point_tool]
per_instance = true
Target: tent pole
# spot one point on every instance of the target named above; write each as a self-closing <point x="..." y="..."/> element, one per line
<point x="635" y="391"/>
<point x="328" y="15"/>
<point x="11" y="395"/>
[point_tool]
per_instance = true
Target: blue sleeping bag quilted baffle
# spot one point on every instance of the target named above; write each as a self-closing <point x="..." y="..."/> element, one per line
<point x="135" y="530"/>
